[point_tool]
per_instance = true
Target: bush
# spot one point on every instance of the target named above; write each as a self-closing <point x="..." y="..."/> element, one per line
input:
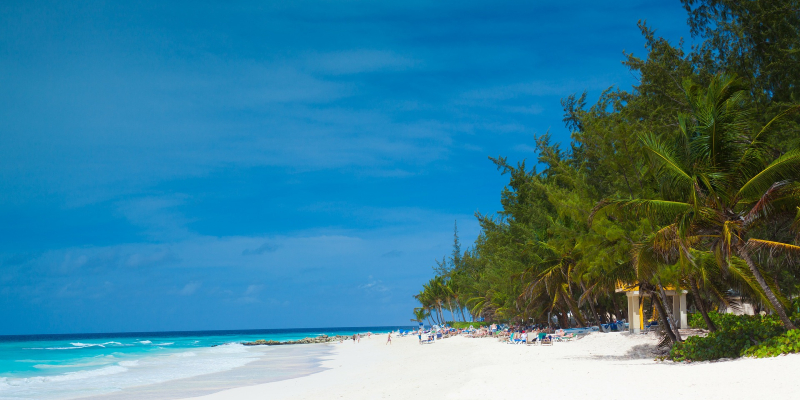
<point x="735" y="335"/>
<point x="696" y="319"/>
<point x="787" y="343"/>
<point x="722" y="321"/>
<point x="465" y="325"/>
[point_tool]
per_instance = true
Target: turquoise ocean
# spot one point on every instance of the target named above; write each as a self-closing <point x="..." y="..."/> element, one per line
<point x="55" y="367"/>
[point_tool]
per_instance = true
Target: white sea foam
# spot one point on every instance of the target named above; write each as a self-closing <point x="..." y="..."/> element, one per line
<point x="164" y="344"/>
<point x="129" y="363"/>
<point x="81" y="345"/>
<point x="146" y="370"/>
<point x="92" y="373"/>
<point x="77" y="365"/>
<point x="52" y="348"/>
<point x="145" y="342"/>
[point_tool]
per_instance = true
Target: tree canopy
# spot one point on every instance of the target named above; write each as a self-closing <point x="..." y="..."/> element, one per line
<point x="689" y="179"/>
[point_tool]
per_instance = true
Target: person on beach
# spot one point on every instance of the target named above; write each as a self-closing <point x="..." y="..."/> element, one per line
<point x="388" y="339"/>
<point x="358" y="336"/>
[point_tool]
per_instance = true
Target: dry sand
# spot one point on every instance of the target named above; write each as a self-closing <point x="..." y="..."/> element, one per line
<point x="600" y="365"/>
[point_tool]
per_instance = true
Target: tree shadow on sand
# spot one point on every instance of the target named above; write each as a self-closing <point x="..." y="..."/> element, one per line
<point x="638" y="352"/>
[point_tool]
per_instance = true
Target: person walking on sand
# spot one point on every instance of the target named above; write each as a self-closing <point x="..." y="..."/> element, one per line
<point x="388" y="339"/>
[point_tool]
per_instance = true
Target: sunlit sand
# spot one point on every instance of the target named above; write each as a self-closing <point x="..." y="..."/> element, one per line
<point x="605" y="365"/>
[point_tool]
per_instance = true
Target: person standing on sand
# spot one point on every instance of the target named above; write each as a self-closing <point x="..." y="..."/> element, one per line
<point x="388" y="339"/>
<point x="359" y="337"/>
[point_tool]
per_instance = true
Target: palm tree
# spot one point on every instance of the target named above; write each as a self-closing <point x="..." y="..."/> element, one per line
<point x="552" y="279"/>
<point x="721" y="182"/>
<point x="420" y="314"/>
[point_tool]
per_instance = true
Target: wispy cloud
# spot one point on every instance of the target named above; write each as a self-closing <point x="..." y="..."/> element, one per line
<point x="264" y="248"/>
<point x="190" y="288"/>
<point x="374" y="286"/>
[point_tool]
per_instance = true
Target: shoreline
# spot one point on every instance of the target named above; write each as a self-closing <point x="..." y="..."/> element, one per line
<point x="61" y="367"/>
<point x="618" y="364"/>
<point x="273" y="364"/>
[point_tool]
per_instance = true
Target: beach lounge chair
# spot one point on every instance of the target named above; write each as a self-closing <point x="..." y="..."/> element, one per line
<point x="651" y="326"/>
<point x="545" y="339"/>
<point x="541" y="336"/>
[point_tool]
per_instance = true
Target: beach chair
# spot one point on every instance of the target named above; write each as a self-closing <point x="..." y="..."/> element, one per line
<point x="517" y="339"/>
<point x="545" y="339"/>
<point x="531" y="339"/>
<point x="651" y="326"/>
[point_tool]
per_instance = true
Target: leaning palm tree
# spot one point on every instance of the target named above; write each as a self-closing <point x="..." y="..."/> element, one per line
<point x="420" y="314"/>
<point x="552" y="278"/>
<point x="721" y="182"/>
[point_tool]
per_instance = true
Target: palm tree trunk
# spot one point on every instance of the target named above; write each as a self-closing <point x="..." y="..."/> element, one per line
<point x="616" y="309"/>
<point x="701" y="304"/>
<point x="773" y="300"/>
<point x="594" y="312"/>
<point x="450" y="308"/>
<point x="670" y="318"/>
<point x="662" y="314"/>
<point x="573" y="308"/>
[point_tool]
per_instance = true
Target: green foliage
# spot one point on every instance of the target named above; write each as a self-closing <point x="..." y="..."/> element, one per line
<point x="691" y="179"/>
<point x="467" y="324"/>
<point x="696" y="320"/>
<point x="786" y="343"/>
<point x="735" y="336"/>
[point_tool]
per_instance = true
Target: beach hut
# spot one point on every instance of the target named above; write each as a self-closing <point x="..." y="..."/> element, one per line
<point x="635" y="305"/>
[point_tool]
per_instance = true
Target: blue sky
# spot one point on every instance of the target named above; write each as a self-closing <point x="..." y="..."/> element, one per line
<point x="202" y="165"/>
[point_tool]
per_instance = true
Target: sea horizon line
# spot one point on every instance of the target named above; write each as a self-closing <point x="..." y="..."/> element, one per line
<point x="205" y="332"/>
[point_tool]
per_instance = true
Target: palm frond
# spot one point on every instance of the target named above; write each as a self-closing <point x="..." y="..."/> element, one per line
<point x="764" y="203"/>
<point x="789" y="251"/>
<point x="785" y="167"/>
<point x="665" y="156"/>
<point x="783" y="114"/>
<point x="655" y="209"/>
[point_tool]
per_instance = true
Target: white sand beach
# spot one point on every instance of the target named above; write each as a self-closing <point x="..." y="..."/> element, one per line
<point x="604" y="365"/>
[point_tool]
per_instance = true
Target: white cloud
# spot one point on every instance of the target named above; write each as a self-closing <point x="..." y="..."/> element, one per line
<point x="190" y="288"/>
